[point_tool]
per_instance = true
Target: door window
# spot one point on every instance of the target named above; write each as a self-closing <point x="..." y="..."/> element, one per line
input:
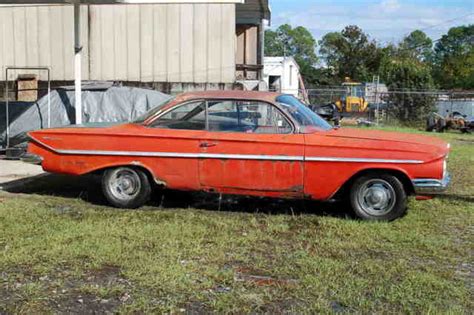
<point x="247" y="117"/>
<point x="190" y="116"/>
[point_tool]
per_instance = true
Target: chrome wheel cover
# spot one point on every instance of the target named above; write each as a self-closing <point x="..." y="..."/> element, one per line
<point x="376" y="197"/>
<point x="124" y="184"/>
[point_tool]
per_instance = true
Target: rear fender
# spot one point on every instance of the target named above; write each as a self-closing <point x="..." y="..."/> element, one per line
<point x="81" y="165"/>
<point x="133" y="164"/>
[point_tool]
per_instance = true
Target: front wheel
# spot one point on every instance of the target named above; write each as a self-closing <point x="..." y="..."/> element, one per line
<point x="379" y="197"/>
<point x="126" y="187"/>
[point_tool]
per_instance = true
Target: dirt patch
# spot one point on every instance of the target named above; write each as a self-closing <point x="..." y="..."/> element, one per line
<point x="105" y="275"/>
<point x="12" y="284"/>
<point x="196" y="308"/>
<point x="99" y="291"/>
<point x="465" y="271"/>
<point x="85" y="304"/>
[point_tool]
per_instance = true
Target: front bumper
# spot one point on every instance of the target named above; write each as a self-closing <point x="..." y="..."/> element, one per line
<point x="430" y="186"/>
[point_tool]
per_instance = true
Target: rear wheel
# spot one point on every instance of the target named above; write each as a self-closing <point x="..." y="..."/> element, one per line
<point x="126" y="187"/>
<point x="378" y="197"/>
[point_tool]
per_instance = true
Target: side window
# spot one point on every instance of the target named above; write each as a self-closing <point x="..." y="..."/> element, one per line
<point x="264" y="118"/>
<point x="247" y="117"/>
<point x="224" y="116"/>
<point x="190" y="116"/>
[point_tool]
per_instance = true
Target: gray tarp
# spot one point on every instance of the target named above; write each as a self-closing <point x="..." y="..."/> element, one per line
<point x="116" y="104"/>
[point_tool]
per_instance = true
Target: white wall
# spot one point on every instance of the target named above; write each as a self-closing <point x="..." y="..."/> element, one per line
<point x="287" y="69"/>
<point x="148" y="43"/>
<point x="41" y="36"/>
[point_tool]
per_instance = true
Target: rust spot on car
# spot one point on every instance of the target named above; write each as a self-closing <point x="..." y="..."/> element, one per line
<point x="156" y="180"/>
<point x="297" y="188"/>
<point x="293" y="190"/>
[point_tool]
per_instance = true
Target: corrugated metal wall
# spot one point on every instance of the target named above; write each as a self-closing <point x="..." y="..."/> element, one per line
<point x="40" y="36"/>
<point x="148" y="43"/>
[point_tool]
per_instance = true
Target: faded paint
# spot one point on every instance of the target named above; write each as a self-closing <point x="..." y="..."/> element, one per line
<point x="194" y="171"/>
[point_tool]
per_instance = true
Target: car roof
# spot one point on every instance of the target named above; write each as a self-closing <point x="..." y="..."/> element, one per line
<point x="229" y="94"/>
<point x="220" y="94"/>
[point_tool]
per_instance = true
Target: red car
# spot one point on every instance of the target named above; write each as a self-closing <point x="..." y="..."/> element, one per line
<point x="248" y="143"/>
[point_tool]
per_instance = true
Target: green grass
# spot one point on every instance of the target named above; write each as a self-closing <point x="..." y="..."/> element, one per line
<point x="66" y="254"/>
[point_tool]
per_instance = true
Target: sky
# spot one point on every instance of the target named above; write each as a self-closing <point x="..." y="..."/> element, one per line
<point x="384" y="20"/>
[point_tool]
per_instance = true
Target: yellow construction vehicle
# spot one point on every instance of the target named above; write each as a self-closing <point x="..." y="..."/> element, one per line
<point x="353" y="99"/>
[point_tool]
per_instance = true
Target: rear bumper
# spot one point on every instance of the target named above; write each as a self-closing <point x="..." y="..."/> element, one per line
<point x="430" y="186"/>
<point x="32" y="158"/>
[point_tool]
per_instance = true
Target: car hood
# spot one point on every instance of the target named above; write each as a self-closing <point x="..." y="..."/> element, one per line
<point x="382" y="143"/>
<point x="379" y="135"/>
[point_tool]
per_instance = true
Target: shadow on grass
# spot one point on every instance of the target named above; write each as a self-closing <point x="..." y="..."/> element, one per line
<point x="454" y="197"/>
<point x="88" y="188"/>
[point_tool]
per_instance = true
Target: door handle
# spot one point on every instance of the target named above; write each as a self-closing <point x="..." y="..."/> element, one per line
<point x="207" y="144"/>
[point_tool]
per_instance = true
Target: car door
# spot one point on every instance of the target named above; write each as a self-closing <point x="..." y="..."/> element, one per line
<point x="250" y="148"/>
<point x="174" y="139"/>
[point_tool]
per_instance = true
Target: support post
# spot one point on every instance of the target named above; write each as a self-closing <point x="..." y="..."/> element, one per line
<point x="77" y="62"/>
<point x="7" y="114"/>
<point x="376" y="98"/>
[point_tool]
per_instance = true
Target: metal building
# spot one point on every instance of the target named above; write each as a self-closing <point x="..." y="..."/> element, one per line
<point x="180" y="46"/>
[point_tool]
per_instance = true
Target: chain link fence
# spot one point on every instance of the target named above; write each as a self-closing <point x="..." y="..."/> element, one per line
<point x="399" y="106"/>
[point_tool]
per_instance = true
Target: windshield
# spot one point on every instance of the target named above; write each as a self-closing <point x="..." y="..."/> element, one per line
<point x="152" y="112"/>
<point x="301" y="113"/>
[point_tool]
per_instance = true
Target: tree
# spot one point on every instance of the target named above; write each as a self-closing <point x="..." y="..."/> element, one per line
<point x="350" y="53"/>
<point x="454" y="59"/>
<point x="297" y="42"/>
<point x="418" y="45"/>
<point x="274" y="43"/>
<point x="404" y="76"/>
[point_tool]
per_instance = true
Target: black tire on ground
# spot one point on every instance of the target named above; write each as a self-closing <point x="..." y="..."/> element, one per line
<point x="126" y="187"/>
<point x="378" y="197"/>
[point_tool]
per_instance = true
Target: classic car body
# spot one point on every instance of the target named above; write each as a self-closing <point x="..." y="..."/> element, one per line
<point x="234" y="150"/>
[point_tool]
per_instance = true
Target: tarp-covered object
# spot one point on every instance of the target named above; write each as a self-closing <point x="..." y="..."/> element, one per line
<point x="116" y="104"/>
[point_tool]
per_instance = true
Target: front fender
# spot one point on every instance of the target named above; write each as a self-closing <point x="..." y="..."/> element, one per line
<point x="324" y="179"/>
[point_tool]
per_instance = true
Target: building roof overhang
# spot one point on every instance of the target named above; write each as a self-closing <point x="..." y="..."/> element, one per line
<point x="66" y="2"/>
<point x="253" y="12"/>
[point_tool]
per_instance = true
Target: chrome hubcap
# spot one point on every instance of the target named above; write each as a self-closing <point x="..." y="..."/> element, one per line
<point x="376" y="197"/>
<point x="124" y="184"/>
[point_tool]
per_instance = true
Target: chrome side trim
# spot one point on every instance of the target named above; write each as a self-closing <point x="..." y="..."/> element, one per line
<point x="230" y="156"/>
<point x="234" y="156"/>
<point x="360" y="160"/>
<point x="430" y="186"/>
<point x="127" y="153"/>
<point x="251" y="157"/>
<point x="184" y="155"/>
